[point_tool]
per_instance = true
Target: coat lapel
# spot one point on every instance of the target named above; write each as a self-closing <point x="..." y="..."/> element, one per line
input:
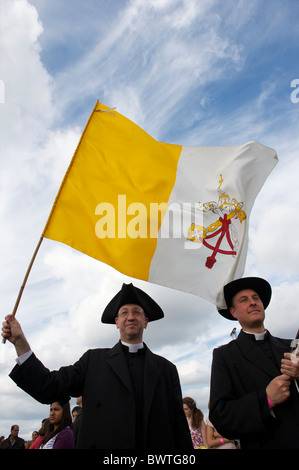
<point x="253" y="353"/>
<point x="117" y="362"/>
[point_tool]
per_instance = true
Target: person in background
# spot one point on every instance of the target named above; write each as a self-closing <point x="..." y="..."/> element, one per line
<point x="75" y="411"/>
<point x="77" y="416"/>
<point x="41" y="433"/>
<point x="216" y="441"/>
<point x="59" y="434"/>
<point x="196" y="423"/>
<point x="29" y="443"/>
<point x="13" y="441"/>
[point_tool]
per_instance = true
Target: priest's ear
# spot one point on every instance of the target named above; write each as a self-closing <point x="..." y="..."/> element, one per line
<point x="232" y="311"/>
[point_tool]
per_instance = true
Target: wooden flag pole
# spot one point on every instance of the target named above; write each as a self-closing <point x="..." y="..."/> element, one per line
<point x="25" y="280"/>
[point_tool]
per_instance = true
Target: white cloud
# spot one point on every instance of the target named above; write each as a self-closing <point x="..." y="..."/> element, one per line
<point x="145" y="64"/>
<point x="282" y="315"/>
<point x="28" y="98"/>
<point x="194" y="372"/>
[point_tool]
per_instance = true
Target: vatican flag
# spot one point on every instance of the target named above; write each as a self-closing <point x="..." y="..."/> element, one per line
<point x="172" y="215"/>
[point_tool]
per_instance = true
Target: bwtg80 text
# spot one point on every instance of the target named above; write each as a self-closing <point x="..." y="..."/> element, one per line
<point x="171" y="459"/>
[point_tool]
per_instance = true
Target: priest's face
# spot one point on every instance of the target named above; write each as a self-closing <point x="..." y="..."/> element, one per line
<point x="131" y="321"/>
<point x="248" y="309"/>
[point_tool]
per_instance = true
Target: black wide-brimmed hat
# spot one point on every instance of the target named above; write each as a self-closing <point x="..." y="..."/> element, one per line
<point x="130" y="294"/>
<point x="259" y="285"/>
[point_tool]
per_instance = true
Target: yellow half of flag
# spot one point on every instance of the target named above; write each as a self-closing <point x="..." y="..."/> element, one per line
<point x="118" y="175"/>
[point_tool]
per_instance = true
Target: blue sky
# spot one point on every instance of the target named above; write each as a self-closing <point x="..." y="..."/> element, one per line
<point x="212" y="57"/>
<point x="199" y="73"/>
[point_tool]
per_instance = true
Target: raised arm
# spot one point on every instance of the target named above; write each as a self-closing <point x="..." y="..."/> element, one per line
<point x="12" y="331"/>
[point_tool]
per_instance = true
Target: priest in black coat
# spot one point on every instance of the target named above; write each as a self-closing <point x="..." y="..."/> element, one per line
<point x="131" y="397"/>
<point x="254" y="379"/>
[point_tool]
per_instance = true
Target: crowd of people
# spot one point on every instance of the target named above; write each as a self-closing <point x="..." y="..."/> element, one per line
<point x="254" y="393"/>
<point x="59" y="430"/>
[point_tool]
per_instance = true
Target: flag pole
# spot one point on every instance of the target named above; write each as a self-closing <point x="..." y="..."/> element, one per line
<point x="24" y="281"/>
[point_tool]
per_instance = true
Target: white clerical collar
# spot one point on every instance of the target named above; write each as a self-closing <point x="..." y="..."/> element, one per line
<point x="258" y="336"/>
<point x="133" y="348"/>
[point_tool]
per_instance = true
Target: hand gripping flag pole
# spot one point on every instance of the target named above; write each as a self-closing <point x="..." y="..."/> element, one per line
<point x="25" y="281"/>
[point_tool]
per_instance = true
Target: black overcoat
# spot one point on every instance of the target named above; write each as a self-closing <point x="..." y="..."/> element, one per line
<point x="101" y="376"/>
<point x="238" y="403"/>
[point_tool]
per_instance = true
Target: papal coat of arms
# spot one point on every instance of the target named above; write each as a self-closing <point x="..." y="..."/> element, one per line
<point x="222" y="230"/>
